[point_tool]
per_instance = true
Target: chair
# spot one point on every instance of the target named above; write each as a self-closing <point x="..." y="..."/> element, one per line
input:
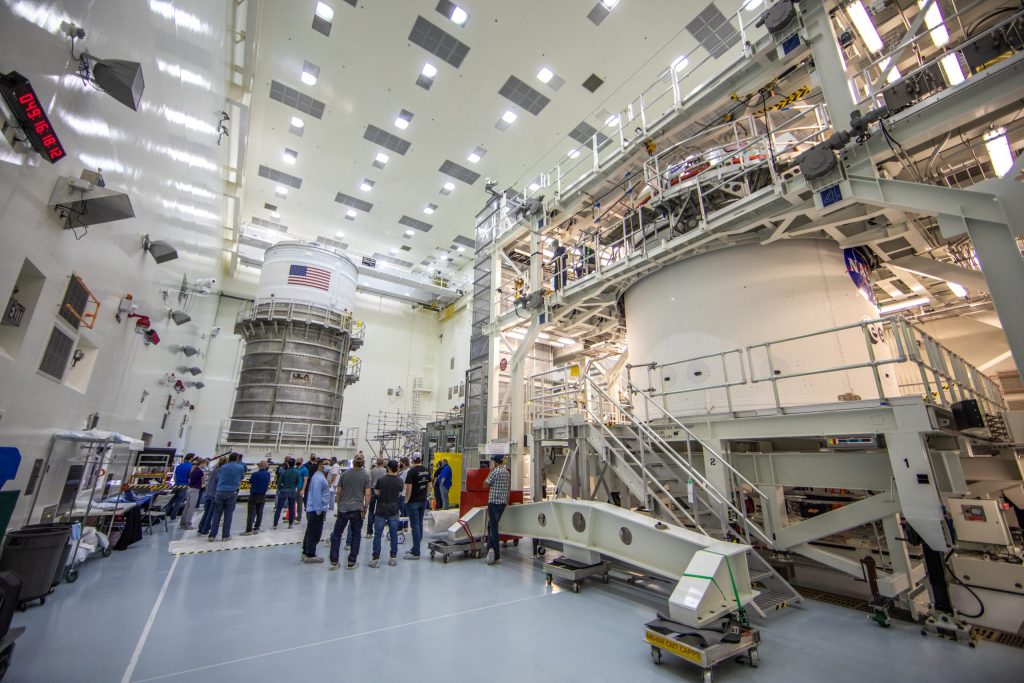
<point x="157" y="511"/>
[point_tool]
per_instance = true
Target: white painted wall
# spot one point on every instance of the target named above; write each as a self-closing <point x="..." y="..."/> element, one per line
<point x="145" y="154"/>
<point x="452" y="342"/>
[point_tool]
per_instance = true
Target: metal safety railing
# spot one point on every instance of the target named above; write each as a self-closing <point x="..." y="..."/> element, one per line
<point x="284" y="310"/>
<point x="285" y="435"/>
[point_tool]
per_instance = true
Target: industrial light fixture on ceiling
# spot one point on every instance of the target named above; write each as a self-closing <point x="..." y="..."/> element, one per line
<point x="393" y="251"/>
<point x="281" y="191"/>
<point x="430" y="208"/>
<point x="858" y="14"/>
<point x="381" y="160"/>
<point x="609" y="4"/>
<point x="545" y="74"/>
<point x="902" y="305"/>
<point x="351" y="214"/>
<point x="339" y="234"/>
<point x="449" y="186"/>
<point x="574" y="153"/>
<point x="180" y="317"/>
<point x="160" y="251"/>
<point x="458" y="16"/>
<point x="509" y="116"/>
<point x="403" y="120"/>
<point x="193" y="371"/>
<point x="410" y="233"/>
<point x="998" y="151"/>
<point x="297" y="122"/>
<point x="290" y="156"/>
<point x="680" y="63"/>
<point x="197" y="384"/>
<point x="366" y="185"/>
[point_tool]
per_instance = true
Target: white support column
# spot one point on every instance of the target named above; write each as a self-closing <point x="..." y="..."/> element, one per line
<point x="775" y="515"/>
<point x="828" y="63"/>
<point x="717" y="475"/>
<point x="899" y="557"/>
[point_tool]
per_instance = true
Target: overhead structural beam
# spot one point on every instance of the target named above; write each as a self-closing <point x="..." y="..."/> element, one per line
<point x="940" y="270"/>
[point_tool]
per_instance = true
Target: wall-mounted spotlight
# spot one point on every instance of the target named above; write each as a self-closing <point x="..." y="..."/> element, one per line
<point x="189" y="351"/>
<point x="119" y="78"/>
<point x="197" y="385"/>
<point x="160" y="251"/>
<point x="193" y="370"/>
<point x="180" y="317"/>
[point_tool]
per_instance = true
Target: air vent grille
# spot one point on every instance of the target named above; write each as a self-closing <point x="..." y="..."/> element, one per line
<point x="55" y="357"/>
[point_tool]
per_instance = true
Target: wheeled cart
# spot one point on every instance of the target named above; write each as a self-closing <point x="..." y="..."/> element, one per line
<point x="704" y="647"/>
<point x="473" y="547"/>
<point x="573" y="571"/>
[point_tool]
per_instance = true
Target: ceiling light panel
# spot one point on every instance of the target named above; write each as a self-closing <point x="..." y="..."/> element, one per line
<point x="430" y="208"/>
<point x="449" y="10"/>
<point x="381" y="160"/>
<point x="438" y="42"/>
<point x="290" y="156"/>
<point x="354" y="202"/>
<point x="310" y="73"/>
<point x="464" y="241"/>
<point x="593" y="82"/>
<point x="366" y="185"/>
<point x="386" y="140"/>
<point x="403" y="119"/>
<point x="391" y="259"/>
<point x="519" y="93"/>
<point x="713" y="31"/>
<point x="293" y="98"/>
<point x="598" y="14"/>
<point x="459" y="172"/>
<point x="279" y="177"/>
<point x="281" y="191"/>
<point x="415" y="224"/>
<point x="351" y="214"/>
<point x="324" y="11"/>
<point x="321" y="25"/>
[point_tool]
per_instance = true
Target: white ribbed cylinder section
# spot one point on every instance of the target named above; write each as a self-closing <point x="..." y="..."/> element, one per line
<point x="309" y="273"/>
<point x="696" y="318"/>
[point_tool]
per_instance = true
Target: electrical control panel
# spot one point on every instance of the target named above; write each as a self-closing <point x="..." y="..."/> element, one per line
<point x="979" y="521"/>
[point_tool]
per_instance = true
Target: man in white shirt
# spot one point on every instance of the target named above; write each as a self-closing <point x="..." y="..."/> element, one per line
<point x="333" y="477"/>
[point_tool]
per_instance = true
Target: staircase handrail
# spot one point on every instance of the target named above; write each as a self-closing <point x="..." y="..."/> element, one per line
<point x="669" y="452"/>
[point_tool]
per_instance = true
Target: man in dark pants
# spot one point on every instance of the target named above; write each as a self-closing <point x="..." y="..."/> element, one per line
<point x="376" y="474"/>
<point x="417" y="481"/>
<point x="499" y="482"/>
<point x="318" y="500"/>
<point x="259" y="483"/>
<point x="353" y="500"/>
<point x="229" y="478"/>
<point x="181" y="473"/>
<point x="388" y="489"/>
<point x="287" y="487"/>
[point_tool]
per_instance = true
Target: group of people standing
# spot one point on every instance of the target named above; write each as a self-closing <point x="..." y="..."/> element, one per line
<point x="390" y="491"/>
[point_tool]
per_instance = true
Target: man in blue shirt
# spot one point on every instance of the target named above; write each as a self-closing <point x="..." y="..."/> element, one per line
<point x="318" y="500"/>
<point x="444" y="483"/>
<point x="181" y="473"/>
<point x="229" y="478"/>
<point x="259" y="483"/>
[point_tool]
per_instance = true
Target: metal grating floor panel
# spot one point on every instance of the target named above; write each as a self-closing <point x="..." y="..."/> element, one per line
<point x="518" y="92"/>
<point x="438" y="42"/>
<point x="385" y="139"/>
<point x="459" y="172"/>
<point x="280" y="177"/>
<point x="410" y="222"/>
<point x="293" y="98"/>
<point x="354" y="202"/>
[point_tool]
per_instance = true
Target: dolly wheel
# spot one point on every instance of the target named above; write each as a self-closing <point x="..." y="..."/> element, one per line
<point x="541" y="550"/>
<point x="106" y="551"/>
<point x="71" y="576"/>
<point x="575" y="586"/>
<point x="755" y="658"/>
<point x="549" y="579"/>
<point x="604" y="577"/>
<point x="445" y="559"/>
<point x="432" y="554"/>
<point x="656" y="654"/>
<point x="708" y="675"/>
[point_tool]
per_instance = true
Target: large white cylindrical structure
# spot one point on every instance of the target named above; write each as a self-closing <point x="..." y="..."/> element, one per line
<point x="310" y="273"/>
<point x="696" y="318"/>
<point x="298" y="340"/>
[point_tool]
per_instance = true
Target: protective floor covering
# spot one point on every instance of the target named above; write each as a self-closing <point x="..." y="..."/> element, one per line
<point x="190" y="543"/>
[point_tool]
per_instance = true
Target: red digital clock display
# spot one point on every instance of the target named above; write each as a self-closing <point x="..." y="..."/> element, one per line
<point x="25" y="105"/>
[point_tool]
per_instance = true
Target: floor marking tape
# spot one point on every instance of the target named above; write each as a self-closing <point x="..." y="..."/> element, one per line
<point x="133" y="662"/>
<point x="341" y="638"/>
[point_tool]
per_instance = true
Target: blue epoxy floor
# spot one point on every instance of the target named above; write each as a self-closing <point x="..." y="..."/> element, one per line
<point x="260" y="615"/>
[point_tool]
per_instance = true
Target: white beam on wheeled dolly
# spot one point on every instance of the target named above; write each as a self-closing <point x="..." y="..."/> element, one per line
<point x="715" y="580"/>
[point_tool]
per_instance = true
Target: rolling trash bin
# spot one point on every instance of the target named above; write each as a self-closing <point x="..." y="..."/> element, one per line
<point x="34" y="555"/>
<point x="62" y="564"/>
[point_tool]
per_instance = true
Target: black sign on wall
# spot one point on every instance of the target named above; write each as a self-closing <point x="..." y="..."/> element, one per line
<point x="28" y="110"/>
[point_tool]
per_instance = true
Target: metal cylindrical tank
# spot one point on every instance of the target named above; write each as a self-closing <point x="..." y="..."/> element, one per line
<point x="298" y="335"/>
<point x="695" y="320"/>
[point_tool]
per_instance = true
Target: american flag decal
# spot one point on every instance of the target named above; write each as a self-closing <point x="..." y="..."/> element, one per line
<point x="309" y="276"/>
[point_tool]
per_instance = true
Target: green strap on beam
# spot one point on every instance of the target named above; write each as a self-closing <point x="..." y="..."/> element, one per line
<point x="732" y="579"/>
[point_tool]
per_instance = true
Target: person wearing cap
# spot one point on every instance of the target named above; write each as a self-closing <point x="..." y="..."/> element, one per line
<point x="417" y="481"/>
<point x="388" y="489"/>
<point x="318" y="500"/>
<point x="498" y="482"/>
<point x="353" y="501"/>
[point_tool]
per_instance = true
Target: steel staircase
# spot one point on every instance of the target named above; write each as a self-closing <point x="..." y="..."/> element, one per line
<point x="666" y="481"/>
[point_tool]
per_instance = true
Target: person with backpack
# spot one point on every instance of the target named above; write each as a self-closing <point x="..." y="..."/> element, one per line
<point x="287" y="487"/>
<point x="388" y="489"/>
